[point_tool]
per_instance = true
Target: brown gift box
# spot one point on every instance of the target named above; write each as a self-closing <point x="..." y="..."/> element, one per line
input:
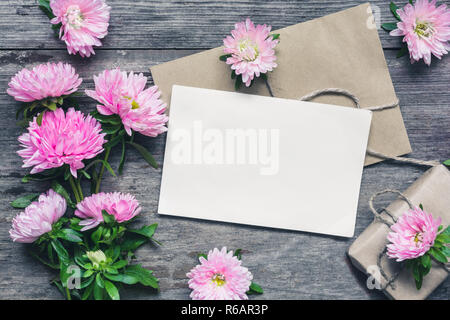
<point x="432" y="190"/>
<point x="341" y="50"/>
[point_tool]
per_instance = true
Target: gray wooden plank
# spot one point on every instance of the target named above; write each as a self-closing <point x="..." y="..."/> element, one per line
<point x="168" y="24"/>
<point x="289" y="265"/>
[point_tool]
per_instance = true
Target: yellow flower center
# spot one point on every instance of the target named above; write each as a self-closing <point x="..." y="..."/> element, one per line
<point x="74" y="17"/>
<point x="218" y="279"/>
<point x="134" y="104"/>
<point x="423" y="29"/>
<point x="248" y="50"/>
<point x="418" y="238"/>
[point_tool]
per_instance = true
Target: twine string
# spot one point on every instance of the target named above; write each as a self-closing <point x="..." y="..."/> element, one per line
<point x="355" y="99"/>
<point x="390" y="280"/>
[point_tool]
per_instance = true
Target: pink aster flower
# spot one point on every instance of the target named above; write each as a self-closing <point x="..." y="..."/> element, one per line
<point x="50" y="80"/>
<point x="412" y="235"/>
<point x="123" y="206"/>
<point x="140" y="109"/>
<point x="61" y="139"/>
<point x="84" y="23"/>
<point x="252" y="50"/>
<point x="425" y="28"/>
<point x="38" y="217"/>
<point x="219" y="277"/>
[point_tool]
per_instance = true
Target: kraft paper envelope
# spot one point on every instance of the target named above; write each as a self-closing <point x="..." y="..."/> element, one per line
<point x="263" y="161"/>
<point x="341" y="50"/>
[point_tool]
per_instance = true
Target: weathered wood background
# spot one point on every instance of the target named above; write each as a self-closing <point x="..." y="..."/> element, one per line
<point x="288" y="265"/>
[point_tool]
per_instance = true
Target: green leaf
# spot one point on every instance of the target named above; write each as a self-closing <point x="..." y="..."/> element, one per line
<point x="105" y="163"/>
<point x="108" y="167"/>
<point x="97" y="234"/>
<point x="99" y="280"/>
<point x="447" y="162"/>
<point x="51" y="106"/>
<point x="122" y="156"/>
<point x="88" y="274"/>
<point x="87" y="175"/>
<point x="110" y="129"/>
<point x="418" y="276"/>
<point x="203" y="255"/>
<point x="70" y="235"/>
<point x="146" y="231"/>
<point x="389" y="26"/>
<point x="255" y="289"/>
<point x="108" y="218"/>
<point x="419" y="283"/>
<point x="403" y="50"/>
<point x="438" y="255"/>
<point x="112" y="119"/>
<point x="446" y="251"/>
<point x="238" y="253"/>
<point x="446" y="231"/>
<point x="224" y="57"/>
<point x="64" y="275"/>
<point x="275" y="36"/>
<point x="124" y="278"/>
<point x="62" y="253"/>
<point x="112" y="270"/>
<point x="74" y="224"/>
<point x="144" y="276"/>
<point x="114" y="141"/>
<point x="25" y="201"/>
<point x="112" y="290"/>
<point x="88" y="291"/>
<point x="233" y="74"/>
<point x="58" y="188"/>
<point x="87" y="282"/>
<point x="120" y="264"/>
<point x="98" y="291"/>
<point x="113" y="253"/>
<point x="426" y="261"/>
<point x="394" y="8"/>
<point x="48" y="264"/>
<point x="44" y="5"/>
<point x="131" y="243"/>
<point x="145" y="154"/>
<point x="39" y="118"/>
<point x="238" y="82"/>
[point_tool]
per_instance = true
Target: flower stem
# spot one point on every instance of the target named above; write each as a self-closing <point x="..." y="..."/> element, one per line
<point x="80" y="190"/>
<point x="74" y="188"/>
<point x="102" y="170"/>
<point x="68" y="293"/>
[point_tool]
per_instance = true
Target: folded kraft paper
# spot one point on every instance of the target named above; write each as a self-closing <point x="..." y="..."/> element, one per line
<point x="432" y="191"/>
<point x="341" y="50"/>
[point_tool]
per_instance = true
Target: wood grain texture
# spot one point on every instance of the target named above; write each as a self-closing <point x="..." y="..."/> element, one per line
<point x="288" y="265"/>
<point x="174" y="24"/>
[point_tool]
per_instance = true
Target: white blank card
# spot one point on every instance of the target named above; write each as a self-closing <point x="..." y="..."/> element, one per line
<point x="263" y="161"/>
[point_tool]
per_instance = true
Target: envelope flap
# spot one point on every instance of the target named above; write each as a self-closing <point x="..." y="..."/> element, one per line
<point x="341" y="50"/>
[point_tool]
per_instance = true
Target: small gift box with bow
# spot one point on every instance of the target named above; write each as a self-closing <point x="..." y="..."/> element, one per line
<point x="372" y="253"/>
